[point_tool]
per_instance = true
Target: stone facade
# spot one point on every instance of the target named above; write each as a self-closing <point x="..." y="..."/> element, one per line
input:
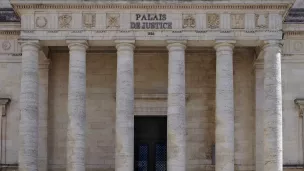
<point x="77" y="73"/>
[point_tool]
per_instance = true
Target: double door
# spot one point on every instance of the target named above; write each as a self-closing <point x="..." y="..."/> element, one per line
<point x="150" y="146"/>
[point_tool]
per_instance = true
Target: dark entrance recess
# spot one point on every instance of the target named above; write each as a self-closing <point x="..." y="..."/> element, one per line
<point x="150" y="143"/>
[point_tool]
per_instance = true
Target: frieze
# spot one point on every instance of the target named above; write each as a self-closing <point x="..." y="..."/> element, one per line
<point x="64" y="20"/>
<point x="213" y="21"/>
<point x="189" y="21"/>
<point x="41" y="21"/>
<point x="261" y="21"/>
<point x="89" y="20"/>
<point x="113" y="20"/>
<point x="150" y="21"/>
<point x="237" y="21"/>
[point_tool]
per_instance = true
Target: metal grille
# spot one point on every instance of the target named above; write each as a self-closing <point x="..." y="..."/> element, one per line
<point x="143" y="153"/>
<point x="161" y="157"/>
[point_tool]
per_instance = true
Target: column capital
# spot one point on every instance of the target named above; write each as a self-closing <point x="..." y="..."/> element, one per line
<point x="272" y="43"/>
<point x="27" y="44"/>
<point x="77" y="44"/>
<point x="125" y="44"/>
<point x="224" y="45"/>
<point x="175" y="45"/>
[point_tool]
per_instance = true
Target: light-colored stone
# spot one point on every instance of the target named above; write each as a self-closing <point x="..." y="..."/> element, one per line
<point x="273" y="123"/>
<point x="176" y="114"/>
<point x="76" y="106"/>
<point x="28" y="126"/>
<point x="224" y="113"/>
<point x="124" y="139"/>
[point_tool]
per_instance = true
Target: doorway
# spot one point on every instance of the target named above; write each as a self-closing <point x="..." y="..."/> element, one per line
<point x="150" y="143"/>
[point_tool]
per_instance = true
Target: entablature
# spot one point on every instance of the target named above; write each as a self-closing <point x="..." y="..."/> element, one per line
<point x="192" y="20"/>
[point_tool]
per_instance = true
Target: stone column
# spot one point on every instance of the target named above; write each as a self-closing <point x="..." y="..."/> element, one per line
<point x="28" y="127"/>
<point x="224" y="114"/>
<point x="259" y="115"/>
<point x="76" y="106"/>
<point x="273" y="156"/>
<point x="176" y="117"/>
<point x="43" y="114"/>
<point x="124" y="142"/>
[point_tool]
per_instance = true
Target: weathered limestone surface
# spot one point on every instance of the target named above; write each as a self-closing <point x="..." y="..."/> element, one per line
<point x="43" y="114"/>
<point x="176" y="117"/>
<point x="76" y="106"/>
<point x="124" y="142"/>
<point x="244" y="123"/>
<point x="273" y="140"/>
<point x="28" y="126"/>
<point x="150" y="76"/>
<point x="224" y="113"/>
<point x="259" y="117"/>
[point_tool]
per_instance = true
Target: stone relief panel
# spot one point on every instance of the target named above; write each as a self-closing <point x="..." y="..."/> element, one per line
<point x="213" y="21"/>
<point x="293" y="47"/>
<point x="41" y="20"/>
<point x="113" y="21"/>
<point x="10" y="46"/>
<point x="261" y="21"/>
<point x="88" y="20"/>
<point x="64" y="20"/>
<point x="237" y="21"/>
<point x="189" y="21"/>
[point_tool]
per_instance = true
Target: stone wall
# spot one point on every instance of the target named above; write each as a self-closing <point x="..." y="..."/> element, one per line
<point x="292" y="87"/>
<point x="10" y="76"/>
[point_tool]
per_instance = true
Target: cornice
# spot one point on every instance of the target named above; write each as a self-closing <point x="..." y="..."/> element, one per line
<point x="240" y="6"/>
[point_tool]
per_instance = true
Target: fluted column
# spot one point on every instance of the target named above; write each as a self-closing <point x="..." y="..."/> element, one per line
<point x="273" y="156"/>
<point x="28" y="126"/>
<point x="124" y="143"/>
<point x="76" y="106"/>
<point x="176" y="117"/>
<point x="224" y="114"/>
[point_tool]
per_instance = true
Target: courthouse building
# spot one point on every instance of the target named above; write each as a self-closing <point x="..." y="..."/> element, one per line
<point x="177" y="85"/>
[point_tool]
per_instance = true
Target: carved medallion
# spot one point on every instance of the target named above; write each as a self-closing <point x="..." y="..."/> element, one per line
<point x="6" y="45"/>
<point x="41" y="21"/>
<point x="64" y="21"/>
<point x="89" y="20"/>
<point x="237" y="21"/>
<point x="188" y="21"/>
<point x="113" y="21"/>
<point x="261" y="21"/>
<point x="298" y="46"/>
<point x="213" y="21"/>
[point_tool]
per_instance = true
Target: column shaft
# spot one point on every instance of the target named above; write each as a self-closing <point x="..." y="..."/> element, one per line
<point x="273" y="156"/>
<point x="124" y="144"/>
<point x="259" y="115"/>
<point x="43" y="115"/>
<point x="224" y="132"/>
<point x="176" y="117"/>
<point x="76" y="106"/>
<point x="28" y="127"/>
